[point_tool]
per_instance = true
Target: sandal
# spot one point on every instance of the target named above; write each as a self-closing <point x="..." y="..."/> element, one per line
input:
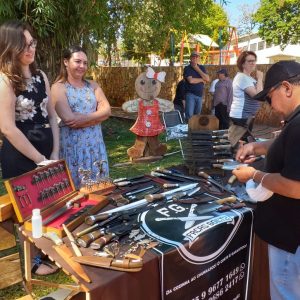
<point x="43" y="267"/>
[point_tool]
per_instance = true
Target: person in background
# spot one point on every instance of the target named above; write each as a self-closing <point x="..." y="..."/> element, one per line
<point x="179" y="100"/>
<point x="223" y="98"/>
<point x="27" y="116"/>
<point x="211" y="92"/>
<point x="244" y="107"/>
<point x="277" y="219"/>
<point x="195" y="76"/>
<point x="82" y="106"/>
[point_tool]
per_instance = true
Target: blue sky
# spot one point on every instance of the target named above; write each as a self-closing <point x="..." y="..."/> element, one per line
<point x="232" y="9"/>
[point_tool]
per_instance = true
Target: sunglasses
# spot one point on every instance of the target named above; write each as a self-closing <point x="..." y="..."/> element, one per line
<point x="272" y="89"/>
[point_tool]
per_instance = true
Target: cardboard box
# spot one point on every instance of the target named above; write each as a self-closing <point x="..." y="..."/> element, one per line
<point x="50" y="188"/>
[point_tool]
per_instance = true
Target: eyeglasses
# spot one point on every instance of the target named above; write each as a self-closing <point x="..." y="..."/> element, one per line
<point x="251" y="61"/>
<point x="268" y="98"/>
<point x="32" y="44"/>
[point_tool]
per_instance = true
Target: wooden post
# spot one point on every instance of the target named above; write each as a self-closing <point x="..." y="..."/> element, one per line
<point x="27" y="265"/>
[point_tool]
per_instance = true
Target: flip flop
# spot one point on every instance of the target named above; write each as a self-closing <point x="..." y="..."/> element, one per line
<point x="43" y="267"/>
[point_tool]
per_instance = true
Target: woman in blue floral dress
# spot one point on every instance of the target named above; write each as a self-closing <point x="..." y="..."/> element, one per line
<point x="82" y="106"/>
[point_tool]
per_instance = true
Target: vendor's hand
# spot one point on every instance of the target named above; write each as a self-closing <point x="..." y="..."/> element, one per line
<point x="243" y="173"/>
<point x="245" y="153"/>
<point x="54" y="156"/>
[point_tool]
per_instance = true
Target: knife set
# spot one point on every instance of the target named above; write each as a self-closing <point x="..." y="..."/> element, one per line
<point x="204" y="148"/>
<point x="51" y="189"/>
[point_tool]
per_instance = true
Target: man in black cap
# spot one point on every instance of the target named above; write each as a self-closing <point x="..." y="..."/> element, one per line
<point x="223" y="98"/>
<point x="277" y="220"/>
<point x="195" y="76"/>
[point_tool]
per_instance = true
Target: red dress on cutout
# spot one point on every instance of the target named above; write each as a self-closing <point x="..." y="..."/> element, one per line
<point x="148" y="121"/>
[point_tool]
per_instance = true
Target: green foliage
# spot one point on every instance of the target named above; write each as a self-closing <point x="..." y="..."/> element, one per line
<point x="147" y="29"/>
<point x="143" y="25"/>
<point x="58" y="24"/>
<point x="279" y="21"/>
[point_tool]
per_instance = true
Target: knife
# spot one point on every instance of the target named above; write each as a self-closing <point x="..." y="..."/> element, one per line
<point x="190" y="223"/>
<point x="185" y="219"/>
<point x="62" y="210"/>
<point x="128" y="265"/>
<point x="129" y="183"/>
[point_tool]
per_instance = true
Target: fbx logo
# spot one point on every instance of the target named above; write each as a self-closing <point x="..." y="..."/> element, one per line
<point x="199" y="232"/>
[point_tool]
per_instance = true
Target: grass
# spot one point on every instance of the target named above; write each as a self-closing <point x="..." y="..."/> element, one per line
<point x="118" y="139"/>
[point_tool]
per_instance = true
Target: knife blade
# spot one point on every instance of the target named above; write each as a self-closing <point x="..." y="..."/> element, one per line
<point x="185" y="219"/>
<point x="190" y="223"/>
<point x="129" y="183"/>
<point x="69" y="204"/>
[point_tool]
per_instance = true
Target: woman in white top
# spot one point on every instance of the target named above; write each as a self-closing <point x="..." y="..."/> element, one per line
<point x="244" y="107"/>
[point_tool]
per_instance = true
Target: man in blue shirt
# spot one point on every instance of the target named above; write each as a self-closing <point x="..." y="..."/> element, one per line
<point x="195" y="76"/>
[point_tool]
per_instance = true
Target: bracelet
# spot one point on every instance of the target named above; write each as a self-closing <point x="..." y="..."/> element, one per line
<point x="253" y="177"/>
<point x="261" y="182"/>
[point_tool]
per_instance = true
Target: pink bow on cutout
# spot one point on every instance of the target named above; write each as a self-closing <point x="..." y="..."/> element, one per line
<point x="157" y="76"/>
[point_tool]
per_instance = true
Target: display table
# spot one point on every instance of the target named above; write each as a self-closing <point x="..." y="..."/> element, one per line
<point x="207" y="258"/>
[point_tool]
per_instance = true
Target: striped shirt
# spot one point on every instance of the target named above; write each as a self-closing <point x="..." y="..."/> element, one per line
<point x="243" y="106"/>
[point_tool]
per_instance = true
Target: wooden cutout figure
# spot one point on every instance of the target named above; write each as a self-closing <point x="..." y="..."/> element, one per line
<point x="148" y="125"/>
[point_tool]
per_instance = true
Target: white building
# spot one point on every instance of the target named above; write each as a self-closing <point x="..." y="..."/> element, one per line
<point x="266" y="53"/>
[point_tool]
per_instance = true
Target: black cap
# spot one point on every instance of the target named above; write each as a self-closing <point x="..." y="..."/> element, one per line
<point x="282" y="70"/>
<point x="195" y="53"/>
<point x="223" y="71"/>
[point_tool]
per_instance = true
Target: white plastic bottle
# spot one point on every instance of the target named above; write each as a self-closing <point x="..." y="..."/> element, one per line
<point x="36" y="221"/>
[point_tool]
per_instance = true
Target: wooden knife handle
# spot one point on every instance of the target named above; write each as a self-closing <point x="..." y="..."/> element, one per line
<point x="203" y="175"/>
<point x="232" y="179"/>
<point x="227" y="199"/>
<point x="170" y="185"/>
<point x="219" y="166"/>
<point x="86" y="239"/>
<point x="222" y="147"/>
<point x="122" y="183"/>
<point x="154" y="197"/>
<point x="91" y="220"/>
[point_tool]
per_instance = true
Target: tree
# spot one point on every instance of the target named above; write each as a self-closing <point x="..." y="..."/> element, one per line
<point x="246" y="22"/>
<point x="279" y="21"/>
<point x="148" y="27"/>
<point x="59" y="24"/>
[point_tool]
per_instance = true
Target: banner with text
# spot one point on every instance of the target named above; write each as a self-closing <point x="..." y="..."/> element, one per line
<point x="206" y="255"/>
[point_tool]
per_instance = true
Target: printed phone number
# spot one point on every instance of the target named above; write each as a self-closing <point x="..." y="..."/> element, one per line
<point x="223" y="285"/>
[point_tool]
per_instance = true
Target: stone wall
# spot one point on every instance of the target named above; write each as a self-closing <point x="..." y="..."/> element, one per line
<point x="118" y="86"/>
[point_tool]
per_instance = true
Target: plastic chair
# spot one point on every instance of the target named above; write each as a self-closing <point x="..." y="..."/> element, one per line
<point x="175" y="128"/>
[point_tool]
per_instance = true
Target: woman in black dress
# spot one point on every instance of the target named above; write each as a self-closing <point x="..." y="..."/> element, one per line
<point x="27" y="117"/>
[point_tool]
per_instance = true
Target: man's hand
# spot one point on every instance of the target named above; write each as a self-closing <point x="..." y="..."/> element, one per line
<point x="245" y="153"/>
<point x="243" y="173"/>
